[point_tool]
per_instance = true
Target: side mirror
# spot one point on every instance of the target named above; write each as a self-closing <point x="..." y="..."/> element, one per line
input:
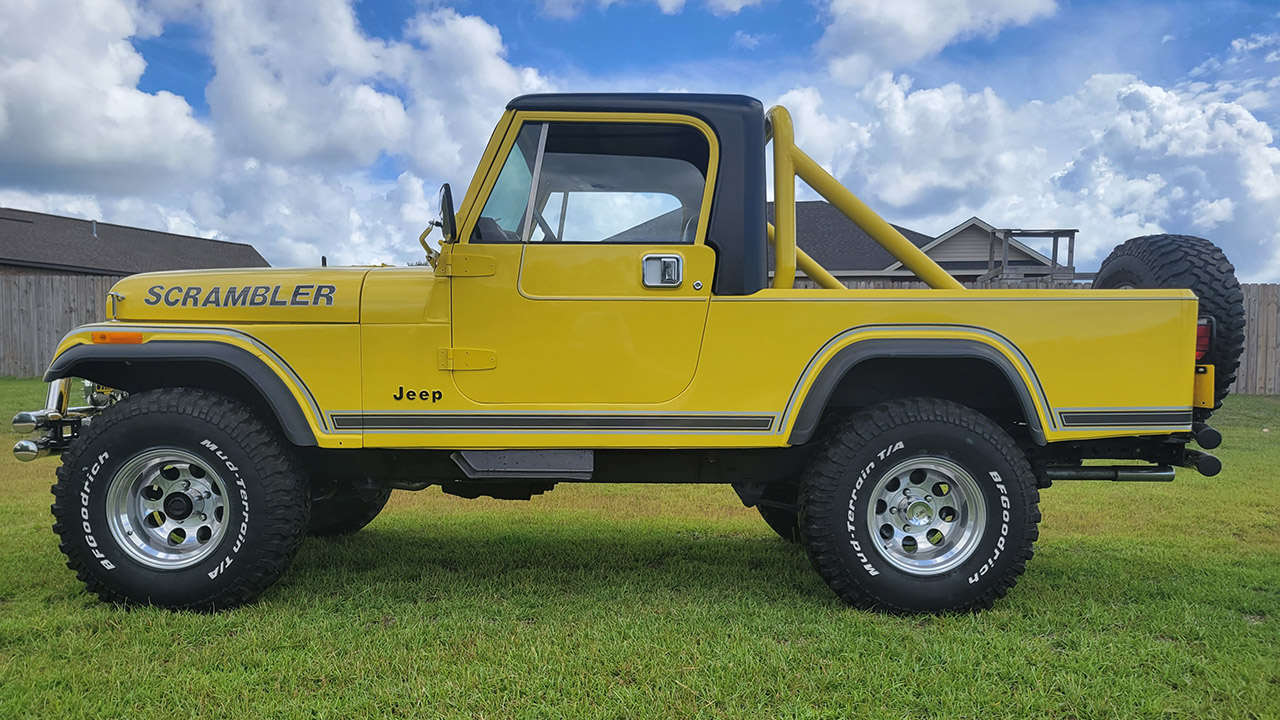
<point x="448" y="221"/>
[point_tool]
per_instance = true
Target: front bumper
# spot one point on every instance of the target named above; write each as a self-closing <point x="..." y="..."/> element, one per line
<point x="59" y="422"/>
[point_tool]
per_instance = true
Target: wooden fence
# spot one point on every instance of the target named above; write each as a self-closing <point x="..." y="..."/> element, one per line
<point x="37" y="310"/>
<point x="1260" y="365"/>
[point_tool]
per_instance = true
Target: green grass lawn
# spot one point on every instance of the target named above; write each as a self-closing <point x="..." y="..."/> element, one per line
<point x="1143" y="600"/>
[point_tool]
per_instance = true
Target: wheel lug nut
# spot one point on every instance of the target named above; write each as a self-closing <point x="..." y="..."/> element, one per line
<point x="203" y="517"/>
<point x="927" y="497"/>
<point x="186" y="484"/>
<point x="893" y="511"/>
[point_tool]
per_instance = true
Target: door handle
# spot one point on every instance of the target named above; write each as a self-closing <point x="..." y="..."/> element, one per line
<point x="662" y="271"/>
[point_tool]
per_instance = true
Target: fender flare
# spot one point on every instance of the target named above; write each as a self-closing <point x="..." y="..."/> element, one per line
<point x="847" y="358"/>
<point x="269" y="385"/>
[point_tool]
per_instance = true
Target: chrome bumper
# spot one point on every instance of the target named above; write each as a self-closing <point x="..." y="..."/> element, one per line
<point x="59" y="422"/>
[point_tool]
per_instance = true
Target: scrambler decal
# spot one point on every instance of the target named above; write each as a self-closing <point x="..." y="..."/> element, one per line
<point x="241" y="296"/>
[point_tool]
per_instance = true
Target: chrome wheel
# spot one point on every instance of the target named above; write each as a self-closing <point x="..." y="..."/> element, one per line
<point x="928" y="515"/>
<point x="167" y="509"/>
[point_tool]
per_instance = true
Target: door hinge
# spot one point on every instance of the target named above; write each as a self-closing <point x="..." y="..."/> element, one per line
<point x="456" y="264"/>
<point x="466" y="359"/>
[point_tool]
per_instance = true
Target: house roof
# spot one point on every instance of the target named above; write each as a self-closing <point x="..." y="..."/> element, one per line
<point x="1034" y="257"/>
<point x="54" y="242"/>
<point x="839" y="245"/>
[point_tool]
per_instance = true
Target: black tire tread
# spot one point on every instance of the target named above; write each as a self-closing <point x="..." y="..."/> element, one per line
<point x="1185" y="261"/>
<point x="285" y="494"/>
<point x="823" y="476"/>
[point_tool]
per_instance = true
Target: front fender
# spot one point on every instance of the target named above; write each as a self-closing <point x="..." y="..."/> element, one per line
<point x="85" y="359"/>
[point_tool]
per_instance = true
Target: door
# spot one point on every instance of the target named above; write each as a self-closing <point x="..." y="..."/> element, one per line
<point x="600" y="280"/>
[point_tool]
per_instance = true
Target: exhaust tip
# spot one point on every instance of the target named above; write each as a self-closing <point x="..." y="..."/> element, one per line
<point x="1208" y="465"/>
<point x="1206" y="436"/>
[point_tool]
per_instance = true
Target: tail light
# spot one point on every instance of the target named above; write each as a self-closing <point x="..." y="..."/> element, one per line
<point x="1204" y="332"/>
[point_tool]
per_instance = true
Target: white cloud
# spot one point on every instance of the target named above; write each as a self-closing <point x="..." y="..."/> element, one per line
<point x="566" y="9"/>
<point x="459" y="80"/>
<point x="864" y="37"/>
<point x="71" y="115"/>
<point x="835" y="143"/>
<point x="745" y="40"/>
<point x="1208" y="214"/>
<point x="1117" y="158"/>
<point x="301" y="104"/>
<point x="731" y="7"/>
<point x="296" y="81"/>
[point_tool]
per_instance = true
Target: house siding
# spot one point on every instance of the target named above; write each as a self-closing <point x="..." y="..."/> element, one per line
<point x="970" y="244"/>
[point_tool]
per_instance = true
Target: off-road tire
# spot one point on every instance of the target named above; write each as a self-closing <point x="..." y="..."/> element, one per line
<point x="265" y="501"/>
<point x="777" y="506"/>
<point x="1182" y="261"/>
<point x="345" y="510"/>
<point x="836" y="506"/>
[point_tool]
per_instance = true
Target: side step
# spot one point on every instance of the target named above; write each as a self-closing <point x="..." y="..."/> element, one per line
<point x="1114" y="473"/>
<point x="526" y="464"/>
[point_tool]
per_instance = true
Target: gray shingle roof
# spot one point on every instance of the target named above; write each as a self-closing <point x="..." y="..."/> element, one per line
<point x="54" y="242"/>
<point x="836" y="243"/>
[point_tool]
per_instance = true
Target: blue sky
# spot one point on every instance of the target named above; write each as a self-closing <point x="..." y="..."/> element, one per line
<point x="637" y="39"/>
<point x="313" y="127"/>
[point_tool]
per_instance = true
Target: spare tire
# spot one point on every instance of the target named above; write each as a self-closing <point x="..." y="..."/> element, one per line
<point x="1182" y="261"/>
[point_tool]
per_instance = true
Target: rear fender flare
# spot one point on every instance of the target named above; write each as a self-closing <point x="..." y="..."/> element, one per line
<point x="994" y="350"/>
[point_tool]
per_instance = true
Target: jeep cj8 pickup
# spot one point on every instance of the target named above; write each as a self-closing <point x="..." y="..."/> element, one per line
<point x="601" y="309"/>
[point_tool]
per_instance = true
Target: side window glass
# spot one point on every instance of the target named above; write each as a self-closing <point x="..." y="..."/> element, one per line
<point x="503" y="213"/>
<point x="620" y="183"/>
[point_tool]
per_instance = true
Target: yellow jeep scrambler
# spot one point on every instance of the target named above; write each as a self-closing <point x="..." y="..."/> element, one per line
<point x="601" y="310"/>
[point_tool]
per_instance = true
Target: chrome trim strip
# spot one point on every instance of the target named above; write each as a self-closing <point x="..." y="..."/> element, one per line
<point x="551" y="422"/>
<point x="952" y="298"/>
<point x="1125" y="418"/>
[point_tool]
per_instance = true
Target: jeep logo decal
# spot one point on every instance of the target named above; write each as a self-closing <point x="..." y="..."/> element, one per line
<point x="432" y="395"/>
<point x="240" y="296"/>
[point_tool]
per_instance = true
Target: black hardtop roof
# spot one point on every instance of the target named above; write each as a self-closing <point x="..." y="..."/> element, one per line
<point x="691" y="103"/>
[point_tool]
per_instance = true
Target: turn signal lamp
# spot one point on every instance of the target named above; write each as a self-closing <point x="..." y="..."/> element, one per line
<point x="116" y="338"/>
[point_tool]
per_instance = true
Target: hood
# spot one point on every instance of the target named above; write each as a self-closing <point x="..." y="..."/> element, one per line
<point x="294" y="295"/>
